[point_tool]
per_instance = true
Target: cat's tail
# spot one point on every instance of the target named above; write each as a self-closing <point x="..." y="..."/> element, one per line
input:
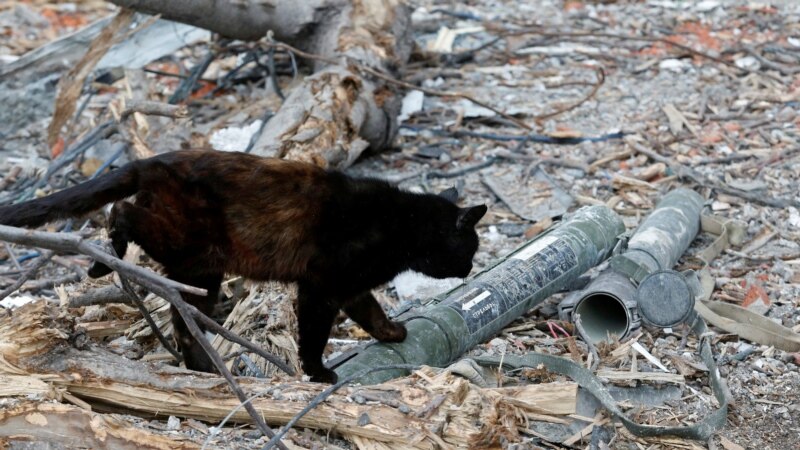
<point x="75" y="201"/>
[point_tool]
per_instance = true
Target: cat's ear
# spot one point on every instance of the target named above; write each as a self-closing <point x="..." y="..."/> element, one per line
<point x="468" y="217"/>
<point x="449" y="194"/>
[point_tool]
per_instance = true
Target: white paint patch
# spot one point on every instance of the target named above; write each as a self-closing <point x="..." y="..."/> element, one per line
<point x="470" y="304"/>
<point x="650" y="237"/>
<point x="470" y="110"/>
<point x="534" y="248"/>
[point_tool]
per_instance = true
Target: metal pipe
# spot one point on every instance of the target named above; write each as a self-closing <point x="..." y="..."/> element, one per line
<point x="479" y="309"/>
<point x="653" y="249"/>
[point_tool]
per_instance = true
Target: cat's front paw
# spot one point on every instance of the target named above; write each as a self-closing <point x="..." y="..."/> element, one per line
<point x="395" y="332"/>
<point x="323" y="375"/>
<point x="98" y="270"/>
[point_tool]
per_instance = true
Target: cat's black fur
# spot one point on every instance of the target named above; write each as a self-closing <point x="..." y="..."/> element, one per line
<point x="202" y="214"/>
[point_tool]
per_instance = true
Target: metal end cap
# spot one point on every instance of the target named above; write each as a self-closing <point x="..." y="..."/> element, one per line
<point x="665" y="298"/>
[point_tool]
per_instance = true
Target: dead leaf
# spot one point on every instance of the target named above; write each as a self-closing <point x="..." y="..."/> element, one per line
<point x="677" y="120"/>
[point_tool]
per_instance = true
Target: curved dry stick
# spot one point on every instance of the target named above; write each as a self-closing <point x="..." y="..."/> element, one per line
<point x="601" y="78"/>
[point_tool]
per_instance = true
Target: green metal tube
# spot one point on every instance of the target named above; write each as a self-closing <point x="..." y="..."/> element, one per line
<point x="479" y="309"/>
<point x="663" y="236"/>
<point x="611" y="304"/>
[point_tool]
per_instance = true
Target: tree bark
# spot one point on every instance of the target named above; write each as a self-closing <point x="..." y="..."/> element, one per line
<point x="335" y="114"/>
<point x="244" y="20"/>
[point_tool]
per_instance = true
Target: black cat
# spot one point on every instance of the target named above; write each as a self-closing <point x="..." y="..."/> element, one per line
<point x="202" y="214"/>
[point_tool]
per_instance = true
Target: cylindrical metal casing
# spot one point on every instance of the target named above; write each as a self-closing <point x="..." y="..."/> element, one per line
<point x="474" y="312"/>
<point x="663" y="236"/>
<point x="657" y="244"/>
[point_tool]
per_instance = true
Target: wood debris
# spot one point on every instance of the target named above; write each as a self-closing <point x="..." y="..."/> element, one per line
<point x="607" y="103"/>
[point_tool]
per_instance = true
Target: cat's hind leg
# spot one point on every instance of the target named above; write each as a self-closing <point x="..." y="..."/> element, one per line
<point x="367" y="312"/>
<point x="171" y="237"/>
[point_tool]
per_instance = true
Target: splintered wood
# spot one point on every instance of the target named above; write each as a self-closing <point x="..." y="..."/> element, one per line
<point x="72" y="427"/>
<point x="430" y="409"/>
<point x="273" y="303"/>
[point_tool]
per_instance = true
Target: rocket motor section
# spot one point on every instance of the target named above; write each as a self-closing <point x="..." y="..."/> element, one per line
<point x="639" y="284"/>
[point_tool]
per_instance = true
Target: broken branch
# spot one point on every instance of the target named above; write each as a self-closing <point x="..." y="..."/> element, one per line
<point x="164" y="287"/>
<point x="151" y="108"/>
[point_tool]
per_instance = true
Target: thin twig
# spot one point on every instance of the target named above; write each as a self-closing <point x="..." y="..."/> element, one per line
<point x="785" y="70"/>
<point x="389" y="79"/>
<point x="535" y="161"/>
<point x="759" y="258"/>
<point x="524" y="138"/>
<point x="102" y="131"/>
<point x="225" y="420"/>
<point x="12" y="255"/>
<point x="601" y="78"/>
<point x="128" y="289"/>
<point x="592" y="349"/>
<point x="172" y="75"/>
<point x="152" y="108"/>
<point x="316" y="401"/>
<point x="186" y="87"/>
<point x="188" y="318"/>
<point x="273" y="75"/>
<point x="447" y="174"/>
<point x="49" y="283"/>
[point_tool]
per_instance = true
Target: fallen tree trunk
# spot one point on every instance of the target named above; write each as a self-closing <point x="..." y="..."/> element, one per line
<point x="334" y="115"/>
<point x="403" y="412"/>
